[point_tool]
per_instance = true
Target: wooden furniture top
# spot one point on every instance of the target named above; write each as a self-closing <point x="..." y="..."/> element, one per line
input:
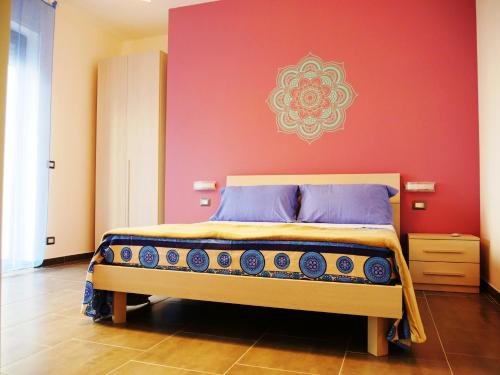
<point x="439" y="236"/>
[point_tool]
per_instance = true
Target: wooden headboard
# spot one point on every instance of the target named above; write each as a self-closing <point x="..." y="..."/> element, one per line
<point x="391" y="179"/>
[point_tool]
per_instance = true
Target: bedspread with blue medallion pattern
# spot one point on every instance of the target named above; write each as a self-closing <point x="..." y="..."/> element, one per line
<point x="318" y="261"/>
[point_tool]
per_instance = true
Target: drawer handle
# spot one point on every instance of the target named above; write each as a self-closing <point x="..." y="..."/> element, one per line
<point x="453" y="274"/>
<point x="444" y="251"/>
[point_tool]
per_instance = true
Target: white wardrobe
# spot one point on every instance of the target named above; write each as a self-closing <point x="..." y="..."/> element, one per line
<point x="130" y="142"/>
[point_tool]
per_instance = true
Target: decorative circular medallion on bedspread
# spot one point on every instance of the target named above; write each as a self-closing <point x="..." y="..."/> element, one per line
<point x="282" y="261"/>
<point x="224" y="259"/>
<point x="377" y="270"/>
<point x="108" y="255"/>
<point x="198" y="260"/>
<point x="89" y="291"/>
<point x="252" y="262"/>
<point x="148" y="257"/>
<point x="126" y="254"/>
<point x="172" y="256"/>
<point x="312" y="264"/>
<point x="345" y="264"/>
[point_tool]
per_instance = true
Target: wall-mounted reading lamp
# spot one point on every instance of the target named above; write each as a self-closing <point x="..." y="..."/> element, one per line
<point x="420" y="187"/>
<point x="204" y="185"/>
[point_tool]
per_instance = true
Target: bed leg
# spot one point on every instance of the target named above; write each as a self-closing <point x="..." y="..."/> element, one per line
<point x="119" y="307"/>
<point x="377" y="331"/>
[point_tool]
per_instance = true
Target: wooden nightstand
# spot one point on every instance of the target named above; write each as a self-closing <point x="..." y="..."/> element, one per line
<point x="444" y="262"/>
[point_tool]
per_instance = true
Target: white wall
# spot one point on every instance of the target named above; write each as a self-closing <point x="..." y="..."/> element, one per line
<point x="79" y="44"/>
<point x="153" y="43"/>
<point x="488" y="48"/>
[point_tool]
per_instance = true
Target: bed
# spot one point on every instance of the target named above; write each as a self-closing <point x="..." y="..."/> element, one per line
<point x="354" y="269"/>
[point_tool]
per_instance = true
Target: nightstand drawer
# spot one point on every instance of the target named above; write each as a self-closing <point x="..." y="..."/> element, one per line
<point x="444" y="273"/>
<point x="460" y="251"/>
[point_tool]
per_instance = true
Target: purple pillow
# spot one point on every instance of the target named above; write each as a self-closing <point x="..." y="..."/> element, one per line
<point x="346" y="204"/>
<point x="275" y="203"/>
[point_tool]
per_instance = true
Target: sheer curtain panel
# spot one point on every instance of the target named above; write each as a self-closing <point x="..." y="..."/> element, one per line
<point x="27" y="134"/>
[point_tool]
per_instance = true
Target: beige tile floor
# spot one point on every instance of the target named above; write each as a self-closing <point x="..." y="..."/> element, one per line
<point x="42" y="332"/>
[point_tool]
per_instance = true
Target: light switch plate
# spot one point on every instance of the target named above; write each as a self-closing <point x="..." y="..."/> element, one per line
<point x="419" y="205"/>
<point x="204" y="201"/>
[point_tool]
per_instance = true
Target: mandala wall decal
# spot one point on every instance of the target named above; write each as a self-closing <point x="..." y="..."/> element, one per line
<point x="311" y="98"/>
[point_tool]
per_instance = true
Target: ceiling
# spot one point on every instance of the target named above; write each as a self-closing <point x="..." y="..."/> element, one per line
<point x="131" y="19"/>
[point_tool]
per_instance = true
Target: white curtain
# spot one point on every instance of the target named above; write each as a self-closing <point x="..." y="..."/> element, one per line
<point x="27" y="134"/>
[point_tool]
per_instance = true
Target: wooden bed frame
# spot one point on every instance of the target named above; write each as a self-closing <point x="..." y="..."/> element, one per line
<point x="380" y="303"/>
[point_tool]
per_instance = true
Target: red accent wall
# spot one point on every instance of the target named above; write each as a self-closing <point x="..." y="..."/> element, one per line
<point x="412" y="64"/>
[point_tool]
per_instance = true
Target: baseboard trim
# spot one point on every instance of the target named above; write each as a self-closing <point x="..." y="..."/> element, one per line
<point x="495" y="294"/>
<point x="66" y="259"/>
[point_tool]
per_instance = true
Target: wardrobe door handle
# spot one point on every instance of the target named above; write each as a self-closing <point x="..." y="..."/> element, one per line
<point x="452" y="274"/>
<point x="128" y="193"/>
<point x="443" y="251"/>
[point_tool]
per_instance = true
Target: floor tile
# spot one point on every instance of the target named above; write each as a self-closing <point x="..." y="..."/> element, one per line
<point x="14" y="348"/>
<point x="476" y="342"/>
<point x="466" y="365"/>
<point x="431" y="349"/>
<point x="473" y="311"/>
<point x="140" y="368"/>
<point x="73" y="311"/>
<point x="455" y="294"/>
<point x="467" y="323"/>
<point x="52" y="329"/>
<point x="19" y="287"/>
<point x="125" y="335"/>
<point x="48" y="330"/>
<point x="197" y="352"/>
<point x="359" y="336"/>
<point x="295" y="354"/>
<point x="250" y="370"/>
<point x="334" y="327"/>
<point x="245" y="322"/>
<point x="72" y="358"/>
<point x="161" y="315"/>
<point x="366" y="364"/>
<point x="72" y="271"/>
<point x="165" y="316"/>
<point x="22" y="311"/>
